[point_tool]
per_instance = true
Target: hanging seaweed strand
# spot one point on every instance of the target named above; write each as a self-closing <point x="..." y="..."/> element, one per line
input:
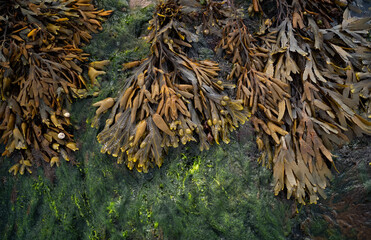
<point x="307" y="86"/>
<point x="39" y="74"/>
<point x="170" y="98"/>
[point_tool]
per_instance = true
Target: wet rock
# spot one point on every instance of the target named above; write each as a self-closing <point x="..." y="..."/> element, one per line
<point x="140" y="3"/>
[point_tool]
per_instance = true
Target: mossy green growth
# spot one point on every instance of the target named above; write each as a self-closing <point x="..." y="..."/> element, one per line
<point x="208" y="195"/>
<point x="37" y="209"/>
<point x="320" y="227"/>
<point x="123" y="31"/>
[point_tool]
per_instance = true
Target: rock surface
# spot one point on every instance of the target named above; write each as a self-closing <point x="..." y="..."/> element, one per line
<point x="140" y="3"/>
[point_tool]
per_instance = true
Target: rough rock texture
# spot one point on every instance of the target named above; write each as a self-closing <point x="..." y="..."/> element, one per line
<point x="140" y="3"/>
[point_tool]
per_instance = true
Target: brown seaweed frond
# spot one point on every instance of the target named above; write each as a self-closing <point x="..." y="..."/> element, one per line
<point x="215" y="15"/>
<point x="255" y="7"/>
<point x="308" y="91"/>
<point x="39" y="73"/>
<point x="264" y="95"/>
<point x="321" y="66"/>
<point x="326" y="13"/>
<point x="169" y="99"/>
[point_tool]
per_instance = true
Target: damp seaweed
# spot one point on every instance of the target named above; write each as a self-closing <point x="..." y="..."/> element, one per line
<point x="306" y="83"/>
<point x="40" y="73"/>
<point x="170" y="98"/>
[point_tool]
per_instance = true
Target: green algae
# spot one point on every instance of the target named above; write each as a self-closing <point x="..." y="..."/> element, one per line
<point x="195" y="196"/>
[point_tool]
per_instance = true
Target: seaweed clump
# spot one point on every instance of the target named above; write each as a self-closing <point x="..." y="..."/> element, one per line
<point x="170" y="98"/>
<point x="40" y="55"/>
<point x="306" y="81"/>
